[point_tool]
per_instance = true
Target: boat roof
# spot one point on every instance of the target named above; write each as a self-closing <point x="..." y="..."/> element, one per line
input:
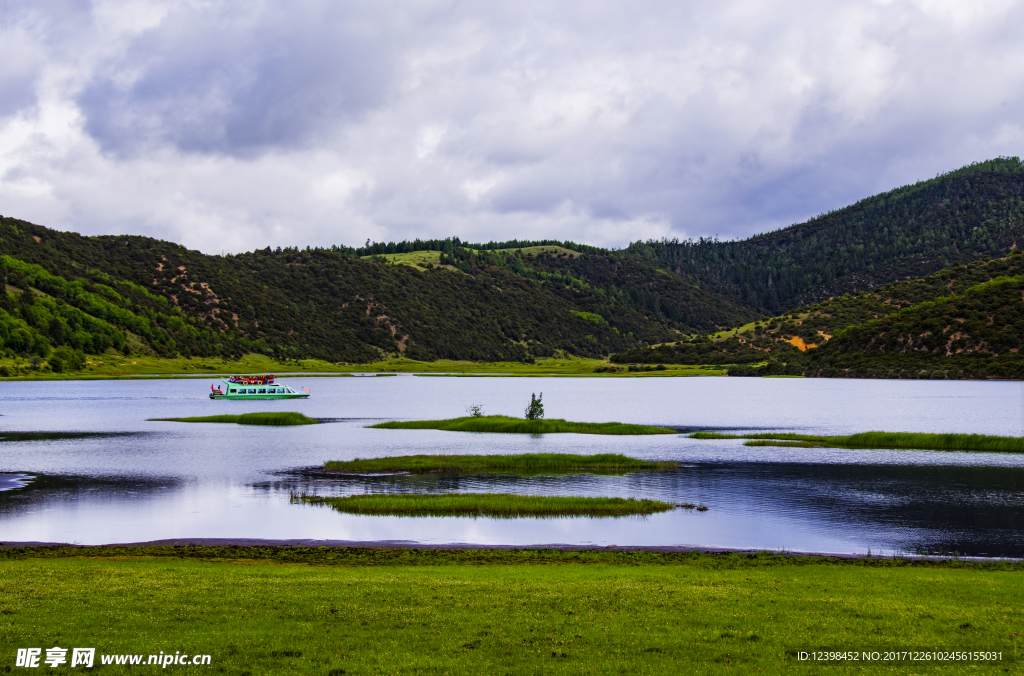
<point x="227" y="379"/>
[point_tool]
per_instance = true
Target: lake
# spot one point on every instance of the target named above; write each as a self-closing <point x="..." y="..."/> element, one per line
<point x="113" y="477"/>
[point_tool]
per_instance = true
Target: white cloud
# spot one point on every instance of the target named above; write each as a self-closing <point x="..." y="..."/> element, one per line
<point x="231" y="125"/>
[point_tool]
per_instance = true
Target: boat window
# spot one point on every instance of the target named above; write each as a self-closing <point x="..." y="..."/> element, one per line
<point x="263" y="390"/>
<point x="252" y="390"/>
<point x="232" y="390"/>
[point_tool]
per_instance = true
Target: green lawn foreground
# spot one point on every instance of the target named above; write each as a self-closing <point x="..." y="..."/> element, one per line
<point x="378" y="611"/>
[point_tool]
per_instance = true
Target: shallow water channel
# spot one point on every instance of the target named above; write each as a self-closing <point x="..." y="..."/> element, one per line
<point x="119" y="478"/>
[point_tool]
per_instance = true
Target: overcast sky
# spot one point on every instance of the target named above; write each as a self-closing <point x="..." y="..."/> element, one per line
<point x="228" y="126"/>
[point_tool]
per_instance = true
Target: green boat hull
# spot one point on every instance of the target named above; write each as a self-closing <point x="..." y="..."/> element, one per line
<point x="257" y="390"/>
<point x="286" y="395"/>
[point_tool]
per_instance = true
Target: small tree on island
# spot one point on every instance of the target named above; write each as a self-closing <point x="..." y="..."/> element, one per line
<point x="535" y="411"/>
<point x="475" y="410"/>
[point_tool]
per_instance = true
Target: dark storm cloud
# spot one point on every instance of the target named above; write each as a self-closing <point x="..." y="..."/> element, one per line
<point x="228" y="124"/>
<point x="200" y="83"/>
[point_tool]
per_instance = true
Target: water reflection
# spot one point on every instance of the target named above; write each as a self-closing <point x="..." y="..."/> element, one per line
<point x="976" y="510"/>
<point x="102" y="473"/>
<point x="9" y="482"/>
<point x="49" y="492"/>
<point x="64" y="436"/>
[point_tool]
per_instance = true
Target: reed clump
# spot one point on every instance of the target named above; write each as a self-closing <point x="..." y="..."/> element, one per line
<point x="883" y="440"/>
<point x="272" y="418"/>
<point x="781" y="443"/>
<point x="526" y="462"/>
<point x="510" y="425"/>
<point x="500" y="505"/>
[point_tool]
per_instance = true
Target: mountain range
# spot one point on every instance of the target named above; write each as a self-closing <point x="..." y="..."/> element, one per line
<point x="862" y="285"/>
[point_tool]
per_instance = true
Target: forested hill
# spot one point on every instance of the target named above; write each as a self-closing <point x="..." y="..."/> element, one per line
<point x="496" y="301"/>
<point x="905" y="233"/>
<point x="142" y="294"/>
<point x="964" y="322"/>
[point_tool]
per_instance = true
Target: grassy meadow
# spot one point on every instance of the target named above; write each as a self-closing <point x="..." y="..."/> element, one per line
<point x="138" y="365"/>
<point x="115" y="365"/>
<point x="272" y="418"/>
<point x="521" y="462"/>
<point x="424" y="258"/>
<point x="378" y="611"/>
<point x="417" y="259"/>
<point x="499" y="505"/>
<point x="509" y="425"/>
<point x="548" y="249"/>
<point x="880" y="440"/>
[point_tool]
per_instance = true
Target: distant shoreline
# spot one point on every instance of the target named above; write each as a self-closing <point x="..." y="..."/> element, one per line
<point x="118" y="367"/>
<point x="348" y="374"/>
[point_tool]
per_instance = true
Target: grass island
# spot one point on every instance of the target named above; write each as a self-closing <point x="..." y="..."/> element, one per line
<point x="881" y="440"/>
<point x="525" y="462"/>
<point x="271" y="418"/>
<point x="509" y="425"/>
<point x="501" y="505"/>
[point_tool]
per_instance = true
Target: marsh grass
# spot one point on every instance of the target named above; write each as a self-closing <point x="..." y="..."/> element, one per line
<point x="501" y="505"/>
<point x="788" y="444"/>
<point x="272" y="418"/>
<point x="526" y="462"/>
<point x="885" y="440"/>
<point x="509" y="425"/>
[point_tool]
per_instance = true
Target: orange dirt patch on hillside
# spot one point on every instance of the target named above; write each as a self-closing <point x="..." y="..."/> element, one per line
<point x="798" y="343"/>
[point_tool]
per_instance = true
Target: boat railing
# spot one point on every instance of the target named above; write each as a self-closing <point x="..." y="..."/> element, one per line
<point x="251" y="380"/>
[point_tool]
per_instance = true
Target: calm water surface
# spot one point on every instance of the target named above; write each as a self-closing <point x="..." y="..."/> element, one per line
<point x="122" y="479"/>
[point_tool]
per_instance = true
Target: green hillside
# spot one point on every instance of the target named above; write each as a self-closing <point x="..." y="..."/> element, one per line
<point x="154" y="297"/>
<point x="967" y="321"/>
<point x="417" y="259"/>
<point x="909" y="232"/>
<point x="69" y="296"/>
<point x="973" y="334"/>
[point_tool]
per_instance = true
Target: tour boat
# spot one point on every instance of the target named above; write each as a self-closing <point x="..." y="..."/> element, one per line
<point x="254" y="387"/>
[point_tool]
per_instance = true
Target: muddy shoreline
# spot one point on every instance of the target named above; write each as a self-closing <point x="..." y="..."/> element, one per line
<point x="408" y="544"/>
